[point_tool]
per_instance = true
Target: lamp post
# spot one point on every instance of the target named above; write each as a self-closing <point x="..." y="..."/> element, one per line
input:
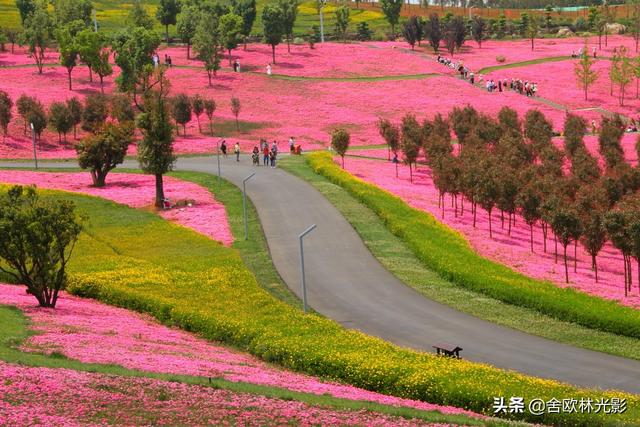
<point x="218" y="156"/>
<point x="244" y="204"/>
<point x="33" y="139"/>
<point x="322" y="3"/>
<point x="302" y="275"/>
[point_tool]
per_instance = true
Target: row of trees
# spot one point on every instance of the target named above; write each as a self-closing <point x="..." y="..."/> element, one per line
<point x="515" y="168"/>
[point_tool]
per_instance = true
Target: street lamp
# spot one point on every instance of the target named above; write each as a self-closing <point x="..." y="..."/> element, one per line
<point x="244" y="204"/>
<point x="218" y="155"/>
<point x="33" y="139"/>
<point x="95" y="21"/>
<point x="322" y="3"/>
<point x="304" y="283"/>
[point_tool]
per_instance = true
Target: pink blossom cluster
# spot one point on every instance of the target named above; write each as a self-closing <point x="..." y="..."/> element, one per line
<point x="83" y="329"/>
<point x="205" y="215"/>
<point x="512" y="250"/>
<point x="63" y="397"/>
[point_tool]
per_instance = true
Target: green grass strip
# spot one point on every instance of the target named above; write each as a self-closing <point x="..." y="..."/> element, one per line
<point x="446" y="252"/>
<point x="486" y="70"/>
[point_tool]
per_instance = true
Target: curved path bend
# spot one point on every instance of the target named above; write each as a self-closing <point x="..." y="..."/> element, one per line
<point x="346" y="283"/>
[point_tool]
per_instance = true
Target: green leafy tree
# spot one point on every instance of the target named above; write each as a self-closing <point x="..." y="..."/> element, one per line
<point x="585" y="73"/>
<point x="410" y="141"/>
<point x="289" y="10"/>
<point x="37" y="238"/>
<point x="391" y="136"/>
<point x="487" y="187"/>
<point x="95" y="112"/>
<point x="68" y="49"/>
<point x="37" y="117"/>
<point x="133" y="49"/>
<point x="363" y="31"/>
<point x="622" y="72"/>
<point x="342" y="22"/>
<point x="433" y="31"/>
<point x="13" y="37"/>
<point x="75" y="108"/>
<point x="89" y="44"/>
<point x="524" y="24"/>
<point x="138" y="16"/>
<point x="230" y="28"/>
<point x="565" y="224"/>
<point x="248" y="11"/>
<point x="593" y="16"/>
<point x="478" y="29"/>
<point x="391" y="10"/>
<point x="37" y="34"/>
<point x="412" y="31"/>
<point x="340" y="140"/>
<point x="121" y="108"/>
<point x="235" y="110"/>
<point x="634" y="27"/>
<point x="24" y="104"/>
<point x="6" y="104"/>
<point x="26" y="9"/>
<point x="155" y="150"/>
<point x="548" y="11"/>
<point x="60" y="119"/>
<point x="502" y="26"/>
<point x="575" y="128"/>
<point x="207" y="43"/>
<point x="187" y="24"/>
<point x="532" y="31"/>
<point x="197" y="102"/>
<point x="66" y="11"/>
<point x="182" y="110"/>
<point x="209" y="109"/>
<point x="167" y="14"/>
<point x="103" y="67"/>
<point x="104" y="151"/>
<point x="273" y="22"/>
<point x="529" y="201"/>
<point x="617" y="226"/>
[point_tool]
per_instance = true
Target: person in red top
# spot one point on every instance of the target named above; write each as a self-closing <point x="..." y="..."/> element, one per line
<point x="265" y="154"/>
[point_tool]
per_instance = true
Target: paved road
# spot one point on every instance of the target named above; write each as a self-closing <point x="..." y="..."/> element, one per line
<point x="346" y="283"/>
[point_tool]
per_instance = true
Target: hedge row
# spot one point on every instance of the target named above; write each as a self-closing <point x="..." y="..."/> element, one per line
<point x="208" y="290"/>
<point x="446" y="252"/>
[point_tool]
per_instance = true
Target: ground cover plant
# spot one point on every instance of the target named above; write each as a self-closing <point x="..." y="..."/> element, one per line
<point x="146" y="268"/>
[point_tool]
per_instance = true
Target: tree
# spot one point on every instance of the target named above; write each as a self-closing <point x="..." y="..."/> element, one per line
<point x="289" y="10"/>
<point x="102" y="67"/>
<point x="37" y="34"/>
<point x="6" y="104"/>
<point x="133" y="49"/>
<point x="391" y="135"/>
<point x="95" y="112"/>
<point x="412" y="31"/>
<point x="616" y="223"/>
<point x="138" y="16"/>
<point x="37" y="238"/>
<point x="478" y="29"/>
<point x="585" y="73"/>
<point x="75" y="108"/>
<point x="410" y="141"/>
<point x="102" y="152"/>
<point x="235" y="109"/>
<point x="37" y="117"/>
<point x="26" y="9"/>
<point x="340" y="140"/>
<point x="181" y="110"/>
<point x="622" y="72"/>
<point x="634" y="28"/>
<point x="487" y="188"/>
<point x="502" y="26"/>
<point x="575" y="128"/>
<point x="209" y="109"/>
<point x="524" y="24"/>
<point x="565" y="224"/>
<point x="248" y="11"/>
<point x="25" y="104"/>
<point x="89" y="44"/>
<point x="13" y="37"/>
<point x="155" y="150"/>
<point x="593" y="16"/>
<point x="529" y="201"/>
<point x="68" y="50"/>
<point x="532" y="30"/>
<point x="121" y="108"/>
<point x="455" y="33"/>
<point x="186" y="25"/>
<point x="206" y="43"/>
<point x="434" y="32"/>
<point x="591" y="204"/>
<point x="342" y="22"/>
<point x="66" y="11"/>
<point x="391" y="10"/>
<point x="273" y="21"/>
<point x="548" y="10"/>
<point x="363" y="32"/>
<point x="167" y="13"/>
<point x="197" y="103"/>
<point x="60" y="119"/>
<point x="230" y="27"/>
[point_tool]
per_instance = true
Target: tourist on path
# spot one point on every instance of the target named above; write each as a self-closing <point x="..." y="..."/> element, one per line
<point x="223" y="148"/>
<point x="268" y="69"/>
<point x="236" y="149"/>
<point x="265" y="154"/>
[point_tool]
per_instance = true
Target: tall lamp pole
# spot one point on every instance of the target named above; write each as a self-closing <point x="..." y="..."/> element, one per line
<point x="218" y="156"/>
<point x="302" y="275"/>
<point x="244" y="204"/>
<point x="33" y="139"/>
<point x="322" y="3"/>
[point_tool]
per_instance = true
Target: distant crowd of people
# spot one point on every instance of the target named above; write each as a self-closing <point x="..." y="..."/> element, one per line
<point x="269" y="152"/>
<point x="156" y="60"/>
<point x="582" y="51"/>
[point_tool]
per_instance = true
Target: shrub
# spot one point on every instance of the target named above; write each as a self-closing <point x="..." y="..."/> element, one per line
<point x="500" y="58"/>
<point x="96" y="109"/>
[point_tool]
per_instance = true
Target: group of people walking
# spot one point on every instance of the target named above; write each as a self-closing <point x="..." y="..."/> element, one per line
<point x="156" y="60"/>
<point x="269" y="152"/>
<point x="522" y="87"/>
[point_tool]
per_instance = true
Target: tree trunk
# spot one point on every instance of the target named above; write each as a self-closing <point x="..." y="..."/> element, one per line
<point x="159" y="190"/>
<point x="102" y="84"/>
<point x="474" y="208"/>
<point x="575" y="256"/>
<point x="544" y="237"/>
<point x="342" y="162"/>
<point x="229" y="50"/>
<point x="90" y="74"/>
<point x="209" y="76"/>
<point x="396" y="170"/>
<point x="69" y="75"/>
<point x="410" y="173"/>
<point x="166" y="32"/>
<point x="566" y="268"/>
<point x="273" y="53"/>
<point x="237" y="124"/>
<point x="490" y="230"/>
<point x="184" y="129"/>
<point x="624" y="259"/>
<point x="595" y="266"/>
<point x="189" y="50"/>
<point x="531" y="230"/>
<point x="288" y="43"/>
<point x="555" y="243"/>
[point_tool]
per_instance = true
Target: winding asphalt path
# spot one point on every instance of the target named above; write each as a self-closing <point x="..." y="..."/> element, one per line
<point x="346" y="283"/>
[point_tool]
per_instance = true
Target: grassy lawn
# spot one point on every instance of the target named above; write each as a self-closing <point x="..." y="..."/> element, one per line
<point x="15" y="329"/>
<point x="401" y="261"/>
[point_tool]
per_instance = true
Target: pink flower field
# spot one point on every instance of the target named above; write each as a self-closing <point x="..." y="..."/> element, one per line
<point x="62" y="397"/>
<point x="206" y="215"/>
<point x="84" y="330"/>
<point x="514" y="250"/>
